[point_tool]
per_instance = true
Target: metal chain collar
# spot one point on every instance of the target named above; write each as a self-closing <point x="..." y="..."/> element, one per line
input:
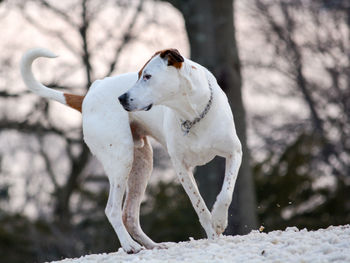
<point x="187" y="125"/>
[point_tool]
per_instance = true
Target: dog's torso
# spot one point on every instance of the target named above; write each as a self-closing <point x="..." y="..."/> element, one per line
<point x="208" y="138"/>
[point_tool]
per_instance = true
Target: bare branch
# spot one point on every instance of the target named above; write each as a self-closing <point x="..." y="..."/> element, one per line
<point x="126" y="38"/>
<point x="62" y="14"/>
<point x="62" y="209"/>
<point x="5" y="94"/>
<point x="285" y="34"/>
<point x="48" y="164"/>
<point x="51" y="32"/>
<point x="83" y="30"/>
<point x="34" y="128"/>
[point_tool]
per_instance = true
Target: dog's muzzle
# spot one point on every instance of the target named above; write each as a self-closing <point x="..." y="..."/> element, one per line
<point x="125" y="102"/>
<point x="123" y="99"/>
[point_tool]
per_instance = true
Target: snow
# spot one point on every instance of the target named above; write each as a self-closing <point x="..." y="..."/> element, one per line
<point x="292" y="245"/>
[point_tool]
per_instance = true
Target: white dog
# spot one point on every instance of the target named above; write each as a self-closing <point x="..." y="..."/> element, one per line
<point x="191" y="118"/>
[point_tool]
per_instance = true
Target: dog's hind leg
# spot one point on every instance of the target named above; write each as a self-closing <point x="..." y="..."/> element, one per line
<point x="138" y="179"/>
<point x="118" y="177"/>
<point x="112" y="145"/>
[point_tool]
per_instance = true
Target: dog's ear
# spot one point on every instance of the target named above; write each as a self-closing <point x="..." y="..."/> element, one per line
<point x="173" y="56"/>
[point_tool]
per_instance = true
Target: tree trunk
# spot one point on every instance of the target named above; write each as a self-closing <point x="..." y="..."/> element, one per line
<point x="211" y="33"/>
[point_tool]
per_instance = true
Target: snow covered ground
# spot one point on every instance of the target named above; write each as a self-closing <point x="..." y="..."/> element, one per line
<point x="292" y="245"/>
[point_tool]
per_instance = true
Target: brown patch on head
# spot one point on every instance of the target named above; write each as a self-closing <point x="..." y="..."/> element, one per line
<point x="193" y="67"/>
<point x="74" y="101"/>
<point x="173" y="56"/>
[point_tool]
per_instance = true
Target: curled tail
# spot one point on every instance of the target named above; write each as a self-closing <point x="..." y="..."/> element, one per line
<point x="74" y="101"/>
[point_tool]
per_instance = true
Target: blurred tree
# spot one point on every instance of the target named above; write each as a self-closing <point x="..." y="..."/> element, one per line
<point x="211" y="32"/>
<point x="302" y="202"/>
<point x="311" y="49"/>
<point x="308" y="42"/>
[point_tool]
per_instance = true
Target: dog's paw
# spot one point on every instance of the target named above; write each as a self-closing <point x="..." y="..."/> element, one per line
<point x="160" y="246"/>
<point x="219" y="217"/>
<point x="132" y="247"/>
<point x="153" y="245"/>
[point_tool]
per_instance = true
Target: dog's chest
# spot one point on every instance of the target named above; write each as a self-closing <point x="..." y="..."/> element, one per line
<point x="193" y="151"/>
<point x="195" y="148"/>
<point x="194" y="157"/>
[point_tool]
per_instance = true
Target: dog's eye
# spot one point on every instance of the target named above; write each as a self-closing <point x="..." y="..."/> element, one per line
<point x="147" y="76"/>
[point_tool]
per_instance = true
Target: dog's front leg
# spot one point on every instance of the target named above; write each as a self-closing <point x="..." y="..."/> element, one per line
<point x="187" y="180"/>
<point x="224" y="198"/>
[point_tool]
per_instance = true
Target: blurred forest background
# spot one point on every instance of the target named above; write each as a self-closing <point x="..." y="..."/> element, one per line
<point x="284" y="64"/>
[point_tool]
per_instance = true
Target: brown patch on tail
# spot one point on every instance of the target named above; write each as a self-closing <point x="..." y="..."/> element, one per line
<point x="74" y="101"/>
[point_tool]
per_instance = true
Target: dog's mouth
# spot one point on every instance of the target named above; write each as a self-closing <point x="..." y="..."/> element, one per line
<point x="147" y="108"/>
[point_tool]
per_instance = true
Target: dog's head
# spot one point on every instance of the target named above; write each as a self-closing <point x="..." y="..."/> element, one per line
<point x="158" y="82"/>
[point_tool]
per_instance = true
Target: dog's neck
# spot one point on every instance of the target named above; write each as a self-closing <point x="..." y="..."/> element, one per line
<point x="196" y="97"/>
<point x="186" y="125"/>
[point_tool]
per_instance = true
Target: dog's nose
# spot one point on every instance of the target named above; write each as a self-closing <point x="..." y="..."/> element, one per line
<point x="123" y="99"/>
